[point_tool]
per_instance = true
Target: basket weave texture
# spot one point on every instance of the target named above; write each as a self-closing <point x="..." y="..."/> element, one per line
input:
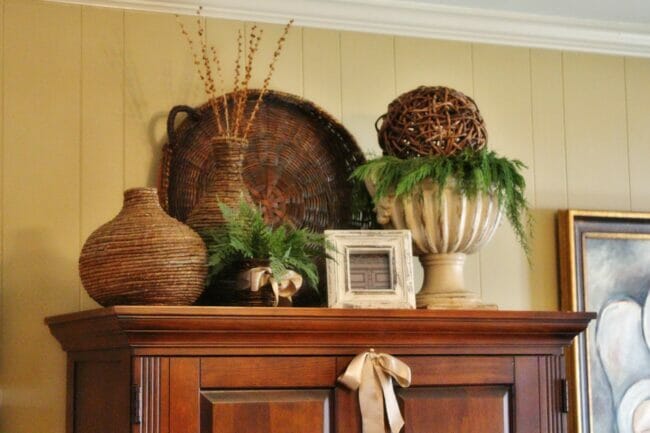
<point x="143" y="257"/>
<point x="225" y="291"/>
<point x="226" y="186"/>
<point x="296" y="166"/>
<point x="431" y="121"/>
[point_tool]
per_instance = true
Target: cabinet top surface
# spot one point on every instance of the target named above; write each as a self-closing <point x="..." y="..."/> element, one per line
<point x="307" y="331"/>
<point x="320" y="313"/>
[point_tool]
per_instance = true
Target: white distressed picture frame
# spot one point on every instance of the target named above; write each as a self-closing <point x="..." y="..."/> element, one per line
<point x="395" y="244"/>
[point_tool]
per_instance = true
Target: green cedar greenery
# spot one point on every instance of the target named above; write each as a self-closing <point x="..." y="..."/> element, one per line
<point x="472" y="172"/>
<point x="246" y="236"/>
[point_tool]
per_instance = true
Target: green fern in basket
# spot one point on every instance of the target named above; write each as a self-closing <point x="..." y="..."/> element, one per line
<point x="246" y="236"/>
<point x="473" y="172"/>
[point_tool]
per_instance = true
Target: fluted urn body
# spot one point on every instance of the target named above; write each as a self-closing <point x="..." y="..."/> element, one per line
<point x="446" y="226"/>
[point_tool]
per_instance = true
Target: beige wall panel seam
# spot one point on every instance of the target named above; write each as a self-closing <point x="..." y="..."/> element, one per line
<point x="80" y="290"/>
<point x="341" y="94"/>
<point x="3" y="26"/>
<point x="123" y="99"/>
<point x="479" y="254"/>
<point x="533" y="202"/>
<point x="321" y="65"/>
<point x="564" y="119"/>
<point x="627" y="132"/>
<point x="597" y="153"/>
<point x="547" y="103"/>
<point x="637" y="97"/>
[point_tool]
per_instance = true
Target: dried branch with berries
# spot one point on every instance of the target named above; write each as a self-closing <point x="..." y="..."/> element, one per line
<point x="231" y="121"/>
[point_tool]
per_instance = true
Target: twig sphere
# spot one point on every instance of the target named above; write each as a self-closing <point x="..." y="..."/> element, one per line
<point x="431" y="121"/>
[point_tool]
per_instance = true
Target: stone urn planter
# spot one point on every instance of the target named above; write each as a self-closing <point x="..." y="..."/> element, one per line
<point x="445" y="227"/>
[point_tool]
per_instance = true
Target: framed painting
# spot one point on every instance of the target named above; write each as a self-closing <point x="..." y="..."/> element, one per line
<point x="370" y="269"/>
<point x="605" y="268"/>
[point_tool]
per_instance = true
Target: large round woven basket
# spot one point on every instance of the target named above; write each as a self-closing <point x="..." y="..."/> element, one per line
<point x="296" y="166"/>
<point x="143" y="256"/>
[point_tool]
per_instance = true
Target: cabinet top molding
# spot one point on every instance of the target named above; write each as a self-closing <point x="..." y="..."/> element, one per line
<point x="421" y="19"/>
<point x="153" y="330"/>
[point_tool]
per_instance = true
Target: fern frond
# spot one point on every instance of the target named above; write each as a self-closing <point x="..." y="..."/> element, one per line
<point x="245" y="235"/>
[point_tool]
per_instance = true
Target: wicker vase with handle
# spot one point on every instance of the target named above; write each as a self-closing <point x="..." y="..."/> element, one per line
<point x="143" y="256"/>
<point x="226" y="185"/>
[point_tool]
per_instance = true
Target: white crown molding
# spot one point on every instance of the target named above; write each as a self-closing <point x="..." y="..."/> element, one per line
<point x="413" y="18"/>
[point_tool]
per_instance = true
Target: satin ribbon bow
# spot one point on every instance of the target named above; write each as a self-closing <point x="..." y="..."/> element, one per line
<point x="256" y="278"/>
<point x="371" y="374"/>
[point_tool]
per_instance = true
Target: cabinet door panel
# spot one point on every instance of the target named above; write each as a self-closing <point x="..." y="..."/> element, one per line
<point x="454" y="370"/>
<point x="268" y="411"/>
<point x="458" y="409"/>
<point x="268" y="372"/>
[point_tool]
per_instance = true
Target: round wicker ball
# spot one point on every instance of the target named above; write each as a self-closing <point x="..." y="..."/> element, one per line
<point x="431" y="121"/>
<point x="143" y="257"/>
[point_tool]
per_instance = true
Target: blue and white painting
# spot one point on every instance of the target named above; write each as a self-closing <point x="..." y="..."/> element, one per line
<point x="617" y="282"/>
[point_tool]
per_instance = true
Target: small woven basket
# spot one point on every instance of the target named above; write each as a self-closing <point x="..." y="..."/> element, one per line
<point x="296" y="165"/>
<point x="224" y="289"/>
<point x="431" y="121"/>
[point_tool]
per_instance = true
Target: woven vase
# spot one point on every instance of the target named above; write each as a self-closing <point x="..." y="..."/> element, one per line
<point x="225" y="185"/>
<point x="143" y="256"/>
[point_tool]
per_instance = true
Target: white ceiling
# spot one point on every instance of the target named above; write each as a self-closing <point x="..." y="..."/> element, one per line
<point x="617" y="11"/>
<point x="620" y="27"/>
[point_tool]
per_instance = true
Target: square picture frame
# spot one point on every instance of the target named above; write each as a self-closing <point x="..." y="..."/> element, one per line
<point x="370" y="269"/>
<point x="605" y="268"/>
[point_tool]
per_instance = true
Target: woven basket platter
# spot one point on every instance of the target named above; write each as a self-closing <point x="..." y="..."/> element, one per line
<point x="296" y="166"/>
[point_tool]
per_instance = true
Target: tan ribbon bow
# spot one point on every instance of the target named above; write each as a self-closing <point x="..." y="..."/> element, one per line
<point x="371" y="374"/>
<point x="256" y="278"/>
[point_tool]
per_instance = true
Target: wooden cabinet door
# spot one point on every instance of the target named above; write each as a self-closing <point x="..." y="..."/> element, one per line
<point x="469" y="394"/>
<point x="242" y="395"/>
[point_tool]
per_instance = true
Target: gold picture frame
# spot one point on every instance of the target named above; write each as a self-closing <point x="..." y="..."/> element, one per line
<point x="604" y="259"/>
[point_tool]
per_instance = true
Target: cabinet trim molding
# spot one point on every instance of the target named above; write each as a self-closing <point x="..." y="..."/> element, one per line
<point x="195" y="331"/>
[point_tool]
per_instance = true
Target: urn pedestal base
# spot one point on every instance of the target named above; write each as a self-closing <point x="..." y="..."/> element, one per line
<point x="444" y="285"/>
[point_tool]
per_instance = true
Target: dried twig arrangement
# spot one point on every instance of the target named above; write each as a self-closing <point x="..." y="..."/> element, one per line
<point x="230" y="122"/>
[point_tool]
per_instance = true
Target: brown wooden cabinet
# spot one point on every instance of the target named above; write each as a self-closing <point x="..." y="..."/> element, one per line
<point x="257" y="370"/>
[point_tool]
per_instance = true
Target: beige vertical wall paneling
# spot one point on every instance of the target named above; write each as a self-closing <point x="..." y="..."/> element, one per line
<point x="503" y="93"/>
<point x="222" y="35"/>
<point x="159" y="74"/>
<point x="41" y="207"/>
<point x="321" y="64"/>
<point x="596" y="132"/>
<point x="637" y="76"/>
<point x="426" y="62"/>
<point x="2" y="202"/>
<point x="550" y="173"/>
<point x="367" y="83"/>
<point x="102" y="121"/>
<point x="287" y="76"/>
